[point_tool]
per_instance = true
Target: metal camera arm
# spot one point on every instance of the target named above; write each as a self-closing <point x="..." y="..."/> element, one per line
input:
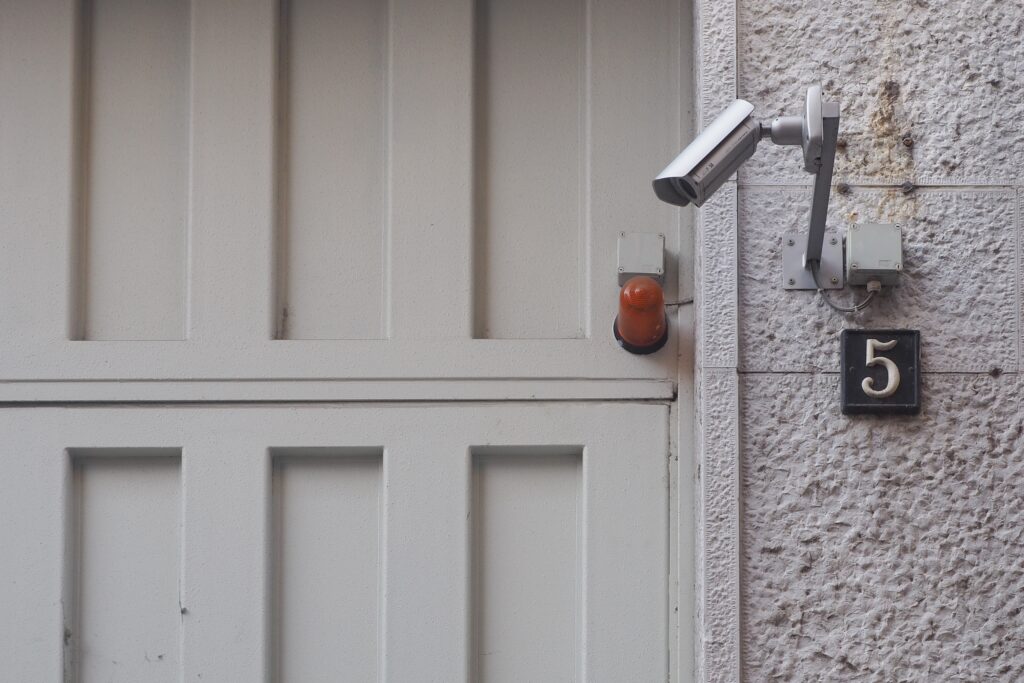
<point x="817" y="132"/>
<point x="822" y="182"/>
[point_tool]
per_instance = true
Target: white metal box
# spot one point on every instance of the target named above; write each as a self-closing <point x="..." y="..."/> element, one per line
<point x="641" y="253"/>
<point x="874" y="251"/>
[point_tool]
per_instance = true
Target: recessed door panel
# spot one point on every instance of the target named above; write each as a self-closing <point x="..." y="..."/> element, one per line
<point x="395" y="543"/>
<point x="310" y="189"/>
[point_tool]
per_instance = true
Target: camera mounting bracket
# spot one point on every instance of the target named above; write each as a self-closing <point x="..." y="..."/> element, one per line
<point x="817" y="132"/>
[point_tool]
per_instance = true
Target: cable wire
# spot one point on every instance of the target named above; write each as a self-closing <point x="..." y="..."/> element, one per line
<point x="856" y="308"/>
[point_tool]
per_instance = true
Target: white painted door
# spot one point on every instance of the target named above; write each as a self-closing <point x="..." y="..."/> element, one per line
<point x="316" y="543"/>
<point x="306" y="370"/>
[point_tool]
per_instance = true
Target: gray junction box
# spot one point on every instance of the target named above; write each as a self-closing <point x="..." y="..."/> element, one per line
<point x="641" y="253"/>
<point x="874" y="251"/>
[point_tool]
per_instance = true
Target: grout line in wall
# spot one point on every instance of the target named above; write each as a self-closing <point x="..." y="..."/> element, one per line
<point x="884" y="186"/>
<point x="963" y="373"/>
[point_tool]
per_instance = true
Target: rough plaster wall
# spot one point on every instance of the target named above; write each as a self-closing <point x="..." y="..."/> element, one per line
<point x="869" y="549"/>
<point x="883" y="549"/>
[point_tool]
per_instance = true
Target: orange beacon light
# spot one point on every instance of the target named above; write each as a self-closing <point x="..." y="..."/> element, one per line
<point x="641" y="326"/>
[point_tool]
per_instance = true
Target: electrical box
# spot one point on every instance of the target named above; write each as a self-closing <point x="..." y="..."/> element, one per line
<point x="641" y="253"/>
<point x="874" y="251"/>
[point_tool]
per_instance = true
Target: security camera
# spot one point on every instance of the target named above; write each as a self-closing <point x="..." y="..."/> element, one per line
<point x="711" y="158"/>
<point x="731" y="139"/>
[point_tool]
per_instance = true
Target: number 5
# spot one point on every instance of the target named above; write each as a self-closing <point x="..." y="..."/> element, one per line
<point x="892" y="372"/>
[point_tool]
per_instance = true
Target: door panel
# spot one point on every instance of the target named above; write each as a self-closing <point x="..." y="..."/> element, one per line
<point x="126" y="558"/>
<point x="298" y="189"/>
<point x="132" y="182"/>
<point x="330" y="169"/>
<point x="527" y="550"/>
<point x="326" y="526"/>
<point x="395" y="543"/>
<point x="537" y="123"/>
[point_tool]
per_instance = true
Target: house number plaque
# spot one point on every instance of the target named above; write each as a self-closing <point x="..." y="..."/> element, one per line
<point x="880" y="372"/>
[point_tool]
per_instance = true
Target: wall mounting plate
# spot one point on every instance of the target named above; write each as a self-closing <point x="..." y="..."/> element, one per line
<point x="795" y="276"/>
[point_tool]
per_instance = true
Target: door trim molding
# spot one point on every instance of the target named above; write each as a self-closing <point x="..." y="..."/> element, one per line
<point x="263" y="391"/>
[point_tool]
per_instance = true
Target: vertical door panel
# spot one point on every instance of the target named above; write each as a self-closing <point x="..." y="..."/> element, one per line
<point x="331" y="166"/>
<point x="126" y="529"/>
<point x="527" y="564"/>
<point x="133" y="140"/>
<point x="530" y="168"/>
<point x="326" y="574"/>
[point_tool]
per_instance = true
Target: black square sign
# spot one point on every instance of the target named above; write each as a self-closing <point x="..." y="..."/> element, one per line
<point x="880" y="372"/>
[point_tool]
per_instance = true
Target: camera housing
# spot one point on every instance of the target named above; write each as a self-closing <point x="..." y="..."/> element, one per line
<point x="711" y="158"/>
<point x="721" y="148"/>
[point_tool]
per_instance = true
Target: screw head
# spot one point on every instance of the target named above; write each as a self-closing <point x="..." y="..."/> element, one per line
<point x="621" y="270"/>
<point x="835" y="280"/>
<point x="622" y="234"/>
<point x="899" y="266"/>
<point x="908" y="141"/>
<point x="853" y="266"/>
<point x="792" y="282"/>
<point x="833" y="241"/>
<point x="790" y="242"/>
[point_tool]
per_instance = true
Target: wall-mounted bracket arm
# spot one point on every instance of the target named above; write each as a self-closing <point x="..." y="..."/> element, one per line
<point x="822" y="182"/>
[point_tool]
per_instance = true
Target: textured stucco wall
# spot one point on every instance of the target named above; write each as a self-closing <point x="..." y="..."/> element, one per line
<point x="865" y="548"/>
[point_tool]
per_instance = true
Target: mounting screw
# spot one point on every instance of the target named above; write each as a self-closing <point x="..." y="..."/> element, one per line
<point x="908" y="141"/>
<point x="622" y="234"/>
<point x="899" y="266"/>
<point x="833" y="241"/>
<point x="661" y="235"/>
<point x="621" y="270"/>
<point x="907" y="187"/>
<point x="792" y="282"/>
<point x="853" y="266"/>
<point x="659" y="271"/>
<point x="791" y="242"/>
<point x="835" y="280"/>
